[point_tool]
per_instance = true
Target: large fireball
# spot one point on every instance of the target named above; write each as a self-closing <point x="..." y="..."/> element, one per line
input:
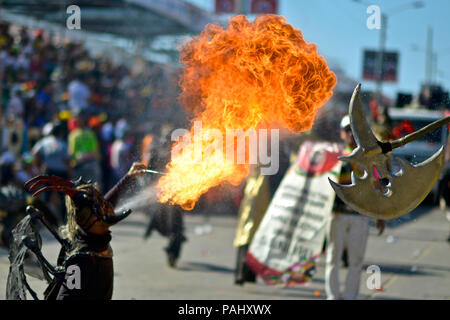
<point x="252" y="75"/>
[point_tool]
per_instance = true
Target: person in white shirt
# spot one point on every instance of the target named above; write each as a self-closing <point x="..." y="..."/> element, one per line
<point x="347" y="229"/>
<point x="79" y="94"/>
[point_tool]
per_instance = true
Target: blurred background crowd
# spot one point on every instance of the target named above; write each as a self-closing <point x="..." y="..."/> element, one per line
<point x="68" y="113"/>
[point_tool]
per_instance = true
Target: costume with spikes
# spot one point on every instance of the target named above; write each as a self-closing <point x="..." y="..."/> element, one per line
<point x="85" y="254"/>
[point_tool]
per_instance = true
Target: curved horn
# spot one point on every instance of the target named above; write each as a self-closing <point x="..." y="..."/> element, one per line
<point x="69" y="191"/>
<point x="37" y="184"/>
<point x="112" y="220"/>
<point x="47" y="179"/>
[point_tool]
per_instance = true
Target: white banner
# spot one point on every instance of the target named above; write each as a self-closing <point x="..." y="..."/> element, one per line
<point x="293" y="229"/>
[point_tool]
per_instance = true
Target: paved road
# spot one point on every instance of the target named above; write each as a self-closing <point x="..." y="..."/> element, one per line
<point x="413" y="255"/>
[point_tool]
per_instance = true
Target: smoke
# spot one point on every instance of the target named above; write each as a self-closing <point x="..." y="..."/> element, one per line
<point x="138" y="199"/>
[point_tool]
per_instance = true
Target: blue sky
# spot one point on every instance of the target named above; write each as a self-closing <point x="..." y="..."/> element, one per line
<point x="339" y="29"/>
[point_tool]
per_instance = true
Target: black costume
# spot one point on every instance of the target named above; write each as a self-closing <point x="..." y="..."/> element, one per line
<point x="168" y="221"/>
<point x="96" y="271"/>
<point x="87" y="252"/>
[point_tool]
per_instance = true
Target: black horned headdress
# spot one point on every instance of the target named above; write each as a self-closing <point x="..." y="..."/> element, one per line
<point x="85" y="197"/>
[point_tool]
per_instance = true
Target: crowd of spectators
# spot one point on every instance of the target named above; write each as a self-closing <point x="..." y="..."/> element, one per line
<point x="66" y="112"/>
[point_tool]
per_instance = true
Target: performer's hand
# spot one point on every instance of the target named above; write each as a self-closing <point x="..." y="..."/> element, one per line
<point x="137" y="170"/>
<point x="380" y="227"/>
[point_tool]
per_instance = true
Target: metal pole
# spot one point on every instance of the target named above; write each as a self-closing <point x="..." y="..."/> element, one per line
<point x="383" y="30"/>
<point x="429" y="57"/>
<point x="434" y="78"/>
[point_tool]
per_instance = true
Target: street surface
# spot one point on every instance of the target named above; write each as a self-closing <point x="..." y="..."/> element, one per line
<point x="413" y="254"/>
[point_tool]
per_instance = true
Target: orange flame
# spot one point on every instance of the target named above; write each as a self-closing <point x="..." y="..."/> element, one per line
<point x="248" y="76"/>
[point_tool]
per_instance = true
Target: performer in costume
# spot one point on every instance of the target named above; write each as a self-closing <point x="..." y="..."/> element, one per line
<point x="258" y="192"/>
<point x="168" y="220"/>
<point x="253" y="206"/>
<point x="85" y="240"/>
<point x="346" y="227"/>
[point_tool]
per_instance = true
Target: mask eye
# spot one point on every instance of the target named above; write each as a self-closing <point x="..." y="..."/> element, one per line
<point x="82" y="200"/>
